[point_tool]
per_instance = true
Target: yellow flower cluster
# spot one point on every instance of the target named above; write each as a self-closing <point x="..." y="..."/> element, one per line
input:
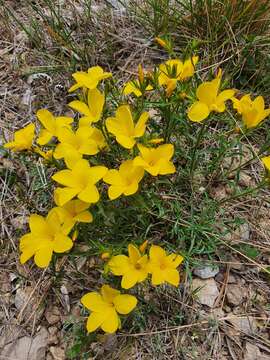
<point x="101" y="125"/>
<point x="134" y="269"/>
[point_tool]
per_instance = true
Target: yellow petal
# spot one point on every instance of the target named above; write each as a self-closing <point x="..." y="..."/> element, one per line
<point x="111" y="324"/>
<point x="266" y="162"/>
<point x="38" y="225"/>
<point x="62" y="243"/>
<point x="156" y="253"/>
<point x="66" y="194"/>
<point x="166" y="167"/>
<point x="115" y="191"/>
<point x="47" y="119"/>
<point x="198" y="111"/>
<point x="96" y="173"/>
<point x="93" y="301"/>
<point x="125" y="141"/>
<point x="157" y="276"/>
<point x="131" y="189"/>
<point x="90" y="194"/>
<point x="172" y="276"/>
<point x="207" y="92"/>
<point x="94" y="321"/>
<point x="84" y="216"/>
<point x="44" y="137"/>
<point x="96" y="101"/>
<point x="64" y="177"/>
<point x="119" y="264"/>
<point x="113" y="177"/>
<point x="80" y="107"/>
<point x="129" y="279"/>
<point x="108" y="293"/>
<point x="43" y="256"/>
<point x="141" y="124"/>
<point x="124" y="304"/>
<point x="133" y="253"/>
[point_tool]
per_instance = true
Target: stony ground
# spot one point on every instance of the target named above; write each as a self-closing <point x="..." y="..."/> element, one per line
<point x="223" y="307"/>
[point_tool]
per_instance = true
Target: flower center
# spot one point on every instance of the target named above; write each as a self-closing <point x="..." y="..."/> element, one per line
<point x="137" y="266"/>
<point x="162" y="266"/>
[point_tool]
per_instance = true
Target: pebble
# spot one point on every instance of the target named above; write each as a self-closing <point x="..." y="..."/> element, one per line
<point x="206" y="272"/>
<point x="207" y="293"/>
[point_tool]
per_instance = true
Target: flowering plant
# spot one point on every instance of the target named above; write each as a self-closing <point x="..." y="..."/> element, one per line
<point x="114" y="140"/>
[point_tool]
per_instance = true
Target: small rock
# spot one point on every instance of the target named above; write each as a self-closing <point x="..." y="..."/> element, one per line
<point x="219" y="192"/>
<point x="28" y="300"/>
<point x="208" y="291"/>
<point x="252" y="352"/>
<point x="245" y="324"/>
<point x="27" y="347"/>
<point x="245" y="180"/>
<point x="235" y="294"/>
<point x="53" y="315"/>
<point x="53" y="338"/>
<point x="235" y="264"/>
<point x="206" y="272"/>
<point x="232" y="279"/>
<point x="58" y="353"/>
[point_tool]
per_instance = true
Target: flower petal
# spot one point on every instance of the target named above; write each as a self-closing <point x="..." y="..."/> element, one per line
<point x="80" y="106"/>
<point x="129" y="279"/>
<point x="172" y="276"/>
<point x="141" y="125"/>
<point x="94" y="321"/>
<point x="66" y="194"/>
<point x="119" y="264"/>
<point x="198" y="112"/>
<point x="111" y="324"/>
<point x="90" y="194"/>
<point x="93" y="301"/>
<point x="115" y="191"/>
<point x="62" y="243"/>
<point x="43" y="256"/>
<point x="124" y="304"/>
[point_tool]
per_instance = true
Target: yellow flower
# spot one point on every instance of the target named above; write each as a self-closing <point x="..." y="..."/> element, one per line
<point x="105" y="256"/>
<point x="163" y="266"/>
<point x="266" y="162"/>
<point x="73" y="145"/>
<point x="125" y="180"/>
<point x="47" y="155"/>
<point x="23" y="139"/>
<point x="132" y="268"/>
<point x="161" y="42"/>
<point x="79" y="181"/>
<point x="52" y="125"/>
<point x="134" y="87"/>
<point x="175" y="70"/>
<point x="140" y="73"/>
<point x="72" y="212"/>
<point x="156" y="160"/>
<point x="122" y="126"/>
<point x="89" y="79"/>
<point x="209" y="99"/>
<point x="105" y="308"/>
<point x="143" y="246"/>
<point x="253" y="112"/>
<point x="156" y="141"/>
<point x="47" y="235"/>
<point x="91" y="111"/>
